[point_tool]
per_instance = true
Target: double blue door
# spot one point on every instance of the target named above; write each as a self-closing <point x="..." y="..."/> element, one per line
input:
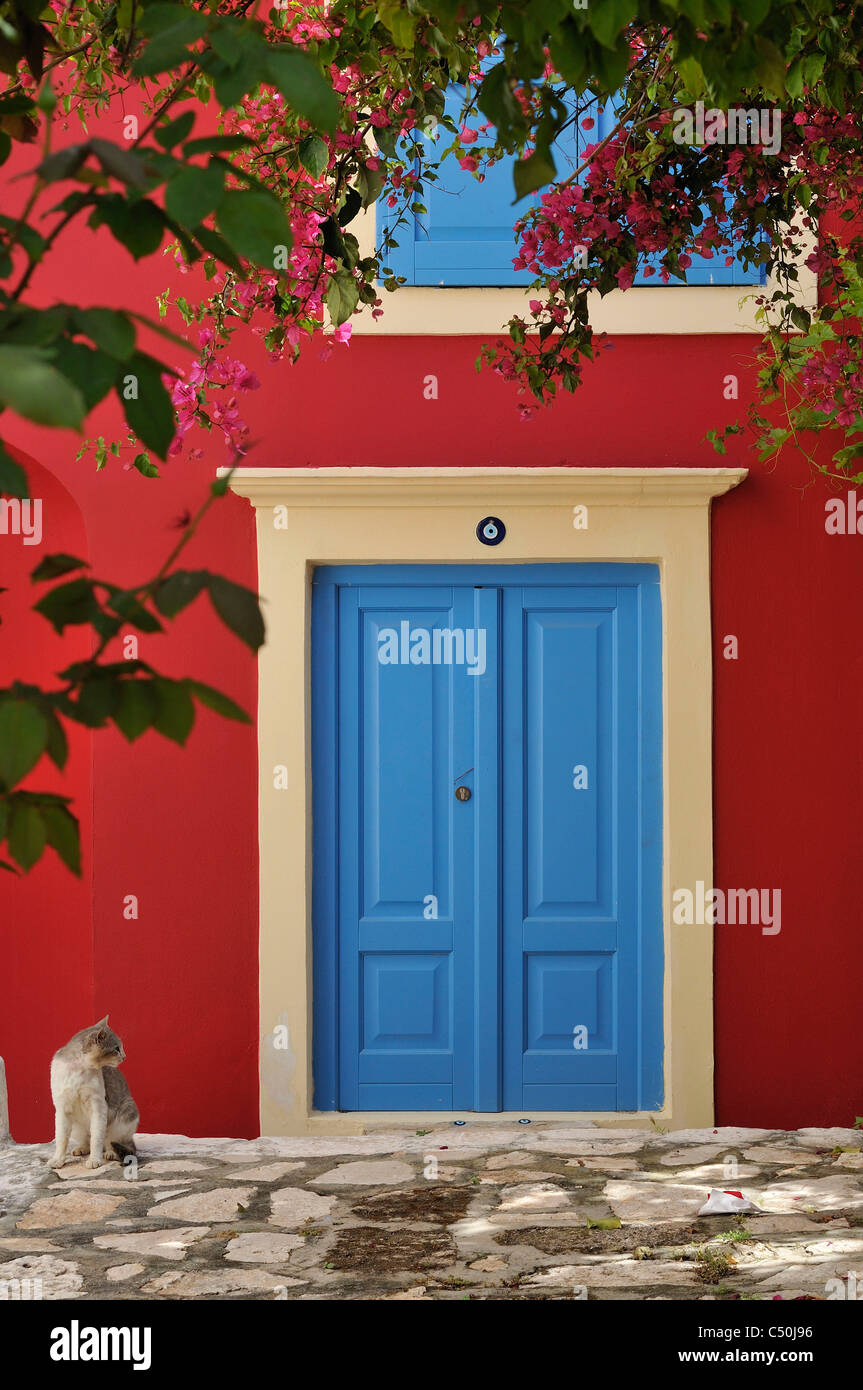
<point x="487" y="837"/>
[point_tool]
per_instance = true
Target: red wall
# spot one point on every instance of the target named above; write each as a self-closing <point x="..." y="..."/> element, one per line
<point x="178" y="827"/>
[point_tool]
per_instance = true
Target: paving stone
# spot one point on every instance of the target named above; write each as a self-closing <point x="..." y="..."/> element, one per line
<point x="59" y="1278"/>
<point x="375" y="1174"/>
<point x="415" y="1295"/>
<point x="489" y="1264"/>
<point x="829" y="1138"/>
<point x="726" y="1135"/>
<point x="167" y="1244"/>
<point x="849" y="1161"/>
<point x="588" y="1148"/>
<point x="269" y="1172"/>
<point x="613" y="1164"/>
<point x="550" y="1138"/>
<point x="517" y="1159"/>
<point x="803" y="1279"/>
<point x="117" y="1273"/>
<point x="534" y="1197"/>
<point x="79" y="1172"/>
<point x="172" y="1192"/>
<point x="513" y="1175"/>
<point x="219" y="1204"/>
<point x="214" y="1282"/>
<point x="819" y="1194"/>
<point x="691" y="1154"/>
<point x="638" y="1201"/>
<point x="27" y="1245"/>
<point x="709" y="1175"/>
<point x="176" y="1165"/>
<point x="620" y="1274"/>
<point x="262" y="1247"/>
<point x="68" y="1209"/>
<point x="292" y="1206"/>
<point x="774" y="1153"/>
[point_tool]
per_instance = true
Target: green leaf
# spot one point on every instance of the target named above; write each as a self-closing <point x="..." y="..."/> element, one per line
<point x="13" y="479"/>
<point x="350" y="207"/>
<point x="254" y="224"/>
<point x="141" y="463"/>
<point x="88" y="369"/>
<point x="139" y="226"/>
<point x="32" y="387"/>
<point x="178" y="590"/>
<point x="97" y="699"/>
<point x="314" y="155"/>
<point x="149" y="411"/>
<point x="215" y="144"/>
<point x="26" y="837"/>
<point x="57" y="746"/>
<point x="609" y="17"/>
<point x="109" y="330"/>
<point x="136" y="708"/>
<point x="61" y="832"/>
<point x="129" y="607"/>
<point x="23" y="735"/>
<point x="121" y="164"/>
<point x="215" y="700"/>
<point x="194" y="193"/>
<point x="342" y="296"/>
<point x="302" y="84"/>
<point x="64" y="164"/>
<point x="159" y="17"/>
<point x="532" y="173"/>
<point x="69" y="605"/>
<point x="175" y="709"/>
<point x="217" y="246"/>
<point x="238" y="609"/>
<point x="369" y="184"/>
<point x="174" y="131"/>
<point x="400" y="22"/>
<point x="771" y="66"/>
<point x="53" y="566"/>
<point x="169" y="48"/>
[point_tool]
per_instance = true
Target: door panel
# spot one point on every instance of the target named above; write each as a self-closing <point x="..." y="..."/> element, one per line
<point x="405" y="978"/>
<point x="502" y="951"/>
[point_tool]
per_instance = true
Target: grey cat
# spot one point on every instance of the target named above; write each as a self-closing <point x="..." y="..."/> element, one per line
<point x="93" y="1106"/>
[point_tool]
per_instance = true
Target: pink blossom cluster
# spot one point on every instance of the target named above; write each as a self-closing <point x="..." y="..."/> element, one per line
<point x="187" y="395"/>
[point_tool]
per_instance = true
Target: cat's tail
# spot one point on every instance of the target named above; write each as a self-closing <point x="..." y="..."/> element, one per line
<point x="124" y="1148"/>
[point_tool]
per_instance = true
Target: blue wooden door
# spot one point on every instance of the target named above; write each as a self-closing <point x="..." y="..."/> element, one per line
<point x="487" y="857"/>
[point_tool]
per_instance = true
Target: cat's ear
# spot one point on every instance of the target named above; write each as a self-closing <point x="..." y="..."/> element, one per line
<point x="102" y="1022"/>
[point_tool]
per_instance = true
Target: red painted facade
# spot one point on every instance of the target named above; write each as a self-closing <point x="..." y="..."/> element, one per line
<point x="178" y="827"/>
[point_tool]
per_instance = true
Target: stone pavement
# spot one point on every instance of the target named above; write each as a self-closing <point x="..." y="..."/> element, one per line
<point x="480" y="1211"/>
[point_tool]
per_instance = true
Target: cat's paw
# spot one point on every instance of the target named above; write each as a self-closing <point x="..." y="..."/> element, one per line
<point x="93" y="1163"/>
<point x="54" y="1161"/>
<point x="80" y="1152"/>
<point x="109" y="1156"/>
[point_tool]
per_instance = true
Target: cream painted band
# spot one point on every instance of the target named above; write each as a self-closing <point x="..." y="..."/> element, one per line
<point x="374" y="516"/>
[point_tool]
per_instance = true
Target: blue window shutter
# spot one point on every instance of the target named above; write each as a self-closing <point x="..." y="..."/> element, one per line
<point x="466" y="235"/>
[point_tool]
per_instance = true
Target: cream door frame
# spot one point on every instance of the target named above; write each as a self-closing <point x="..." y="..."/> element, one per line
<point x="383" y="515"/>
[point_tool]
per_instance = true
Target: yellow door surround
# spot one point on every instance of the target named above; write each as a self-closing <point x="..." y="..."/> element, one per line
<point x="308" y="517"/>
